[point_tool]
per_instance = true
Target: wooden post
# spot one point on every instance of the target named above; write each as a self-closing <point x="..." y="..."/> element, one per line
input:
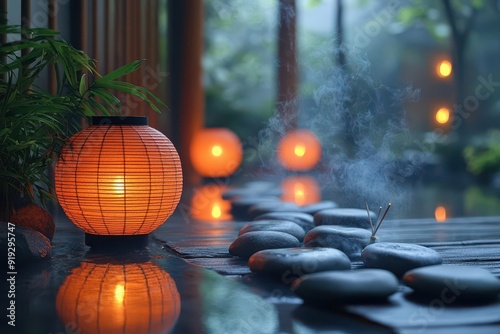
<point x="287" y="104"/>
<point x="187" y="96"/>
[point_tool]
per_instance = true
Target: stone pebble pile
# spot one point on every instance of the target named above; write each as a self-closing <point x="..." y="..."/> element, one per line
<point x="310" y="248"/>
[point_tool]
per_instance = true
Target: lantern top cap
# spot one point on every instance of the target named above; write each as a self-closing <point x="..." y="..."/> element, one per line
<point x="119" y="120"/>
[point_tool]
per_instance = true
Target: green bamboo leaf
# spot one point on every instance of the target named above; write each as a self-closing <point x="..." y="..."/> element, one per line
<point x="82" y="84"/>
<point x="121" y="71"/>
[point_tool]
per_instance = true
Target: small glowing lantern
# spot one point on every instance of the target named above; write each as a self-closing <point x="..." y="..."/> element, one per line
<point x="301" y="190"/>
<point x="118" y="177"/>
<point x="207" y="203"/>
<point x="444" y="68"/>
<point x="443" y="115"/>
<point x="299" y="150"/>
<point x="216" y="152"/>
<point x="440" y="213"/>
<point x="118" y="298"/>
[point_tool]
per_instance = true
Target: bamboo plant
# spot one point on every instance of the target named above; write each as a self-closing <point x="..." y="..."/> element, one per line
<point x="35" y="123"/>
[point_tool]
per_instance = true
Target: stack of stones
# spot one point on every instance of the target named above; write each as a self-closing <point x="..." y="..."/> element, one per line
<point x="311" y="248"/>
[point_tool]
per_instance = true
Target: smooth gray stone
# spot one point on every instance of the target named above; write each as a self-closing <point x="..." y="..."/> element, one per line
<point x="274" y="225"/>
<point x="346" y="287"/>
<point x="249" y="243"/>
<point x="267" y="207"/>
<point x="240" y="206"/>
<point x="306" y="221"/>
<point x="320" y="206"/>
<point x="350" y="240"/>
<point x="30" y="245"/>
<point x="344" y="217"/>
<point x="399" y="257"/>
<point x="290" y="263"/>
<point x="454" y="283"/>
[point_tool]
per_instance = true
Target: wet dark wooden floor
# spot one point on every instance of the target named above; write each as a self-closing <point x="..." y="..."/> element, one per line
<point x="463" y="241"/>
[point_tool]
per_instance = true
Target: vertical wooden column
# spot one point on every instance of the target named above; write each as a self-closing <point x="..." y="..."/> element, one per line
<point x="287" y="103"/>
<point x="52" y="14"/>
<point x="187" y="95"/>
<point x="25" y="20"/>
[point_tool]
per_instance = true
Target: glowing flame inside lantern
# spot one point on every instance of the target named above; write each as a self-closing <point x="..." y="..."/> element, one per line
<point x="443" y="115"/>
<point x="444" y="69"/>
<point x="299" y="150"/>
<point x="440" y="213"/>
<point x="119" y="293"/>
<point x="119" y="186"/>
<point x="216" y="151"/>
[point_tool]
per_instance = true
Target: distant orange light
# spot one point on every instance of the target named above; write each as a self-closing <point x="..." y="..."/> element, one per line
<point x="440" y="213"/>
<point x="216" y="152"/>
<point x="443" y="115"/>
<point x="207" y="203"/>
<point x="301" y="190"/>
<point x="299" y="150"/>
<point x="444" y="69"/>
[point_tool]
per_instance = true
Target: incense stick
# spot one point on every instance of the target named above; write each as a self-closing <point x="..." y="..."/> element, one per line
<point x="383" y="217"/>
<point x="370" y="218"/>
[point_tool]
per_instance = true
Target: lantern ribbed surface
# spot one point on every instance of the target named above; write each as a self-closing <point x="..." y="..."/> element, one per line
<point x="119" y="298"/>
<point x="216" y="152"/>
<point x="116" y="179"/>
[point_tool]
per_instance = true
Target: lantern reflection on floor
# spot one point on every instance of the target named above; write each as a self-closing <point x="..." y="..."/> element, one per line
<point x="207" y="203"/>
<point x="118" y="298"/>
<point x="301" y="190"/>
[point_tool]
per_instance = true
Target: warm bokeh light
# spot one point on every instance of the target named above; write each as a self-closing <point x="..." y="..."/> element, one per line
<point x="216" y="152"/>
<point x="440" y="213"/>
<point x="207" y="203"/>
<point x="444" y="68"/>
<point x="119" y="293"/>
<point x="119" y="298"/>
<point x="301" y="190"/>
<point x="118" y="179"/>
<point x="443" y="115"/>
<point x="216" y="211"/>
<point x="299" y="150"/>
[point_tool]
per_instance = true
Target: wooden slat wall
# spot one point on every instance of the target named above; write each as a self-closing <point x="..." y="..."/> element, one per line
<point x="116" y="32"/>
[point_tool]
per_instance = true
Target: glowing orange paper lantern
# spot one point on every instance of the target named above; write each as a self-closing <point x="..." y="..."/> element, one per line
<point x="118" y="298"/>
<point x="207" y="203"/>
<point x="118" y="177"/>
<point x="299" y="150"/>
<point x="444" y="68"/>
<point x="301" y="190"/>
<point x="216" y="152"/>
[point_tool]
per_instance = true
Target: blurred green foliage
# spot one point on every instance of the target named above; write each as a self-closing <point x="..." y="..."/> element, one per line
<point x="239" y="64"/>
<point x="483" y="158"/>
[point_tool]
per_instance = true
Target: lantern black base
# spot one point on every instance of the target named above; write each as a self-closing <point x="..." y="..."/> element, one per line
<point x="116" y="241"/>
